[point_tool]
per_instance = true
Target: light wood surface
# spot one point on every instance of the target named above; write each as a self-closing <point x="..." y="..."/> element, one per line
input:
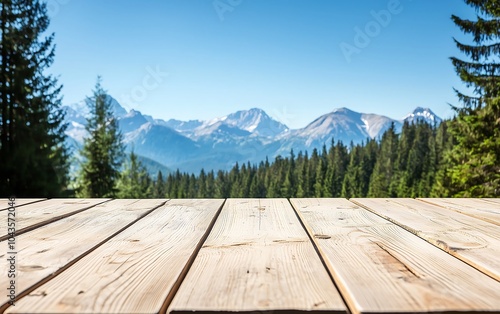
<point x="4" y="202"/>
<point x="381" y="268"/>
<point x="152" y="256"/>
<point x="257" y="258"/>
<point x="46" y="251"/>
<point x="34" y="215"/>
<point x="135" y="271"/>
<point x="472" y="240"/>
<point x="477" y="208"/>
<point x="493" y="200"/>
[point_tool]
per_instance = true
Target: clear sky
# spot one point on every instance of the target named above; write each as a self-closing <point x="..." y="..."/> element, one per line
<point x="296" y="59"/>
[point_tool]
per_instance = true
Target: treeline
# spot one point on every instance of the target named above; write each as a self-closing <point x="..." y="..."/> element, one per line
<point x="399" y="165"/>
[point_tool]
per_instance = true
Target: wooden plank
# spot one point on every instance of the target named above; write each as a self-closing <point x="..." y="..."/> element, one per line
<point x="257" y="258"/>
<point x="45" y="252"/>
<point x="4" y="202"/>
<point x="41" y="213"/>
<point x="381" y="268"/>
<point x="492" y="200"/>
<point x="472" y="240"/>
<point x="477" y="208"/>
<point x="134" y="272"/>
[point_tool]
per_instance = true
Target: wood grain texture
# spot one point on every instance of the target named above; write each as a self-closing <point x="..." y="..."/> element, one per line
<point x="4" y="202"/>
<point x="46" y="251"/>
<point x="472" y="240"/>
<point x="37" y="214"/>
<point x="493" y="200"/>
<point x="135" y="271"/>
<point x="257" y="258"/>
<point x="477" y="208"/>
<point x="381" y="268"/>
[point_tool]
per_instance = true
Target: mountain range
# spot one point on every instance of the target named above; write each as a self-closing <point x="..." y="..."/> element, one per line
<point x="245" y="135"/>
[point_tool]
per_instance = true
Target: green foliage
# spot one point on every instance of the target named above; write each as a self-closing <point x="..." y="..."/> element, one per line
<point x="475" y="158"/>
<point x="102" y="149"/>
<point x="385" y="166"/>
<point x="471" y="166"/>
<point x="135" y="182"/>
<point x="33" y="156"/>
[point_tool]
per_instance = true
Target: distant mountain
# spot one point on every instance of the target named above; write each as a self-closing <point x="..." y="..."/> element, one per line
<point x="81" y="109"/>
<point x="423" y="114"/>
<point x="131" y="121"/>
<point x="153" y="166"/>
<point x="345" y="125"/>
<point x="341" y="124"/>
<point x="255" y="121"/>
<point x="77" y="113"/>
<point x="161" y="143"/>
<point x="181" y="126"/>
<point x="245" y="135"/>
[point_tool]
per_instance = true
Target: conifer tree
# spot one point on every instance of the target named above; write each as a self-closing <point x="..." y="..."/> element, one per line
<point x="210" y="185"/>
<point x="399" y="182"/>
<point x="134" y="180"/>
<point x="303" y="177"/>
<point x="474" y="161"/>
<point x="222" y="188"/>
<point x="384" y="167"/>
<point x="420" y="168"/>
<point x="288" y="188"/>
<point x="369" y="158"/>
<point x="443" y="143"/>
<point x="33" y="156"/>
<point x="103" y="149"/>
<point x="320" y="178"/>
<point x="351" y="186"/>
<point x="159" y="186"/>
<point x="202" y="184"/>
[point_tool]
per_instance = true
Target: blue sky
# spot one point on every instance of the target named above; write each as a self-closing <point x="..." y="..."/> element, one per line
<point x="296" y="59"/>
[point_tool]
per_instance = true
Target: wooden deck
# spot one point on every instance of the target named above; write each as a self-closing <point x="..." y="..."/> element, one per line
<point x="251" y="255"/>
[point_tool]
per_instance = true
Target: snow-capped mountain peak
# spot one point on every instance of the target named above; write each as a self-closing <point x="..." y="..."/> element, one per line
<point x="422" y="114"/>
<point x="342" y="124"/>
<point x="82" y="109"/>
<point x="255" y="121"/>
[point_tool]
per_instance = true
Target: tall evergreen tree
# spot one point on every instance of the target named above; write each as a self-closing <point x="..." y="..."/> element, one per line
<point x="384" y="167"/>
<point x="474" y="161"/>
<point x="303" y="176"/>
<point x="210" y="185"/>
<point x="103" y="150"/>
<point x="288" y="188"/>
<point x="134" y="181"/>
<point x="368" y="160"/>
<point x="351" y="186"/>
<point x="443" y="144"/>
<point x="399" y="182"/>
<point x="159" y="186"/>
<point x="33" y="156"/>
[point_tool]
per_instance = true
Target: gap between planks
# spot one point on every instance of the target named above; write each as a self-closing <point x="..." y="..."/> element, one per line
<point x="478" y="208"/>
<point x="257" y="259"/>
<point x="379" y="267"/>
<point x="21" y="202"/>
<point x="189" y="264"/>
<point x="35" y="217"/>
<point x="46" y="278"/>
<point x="133" y="272"/>
<point x="313" y="238"/>
<point x="469" y="239"/>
